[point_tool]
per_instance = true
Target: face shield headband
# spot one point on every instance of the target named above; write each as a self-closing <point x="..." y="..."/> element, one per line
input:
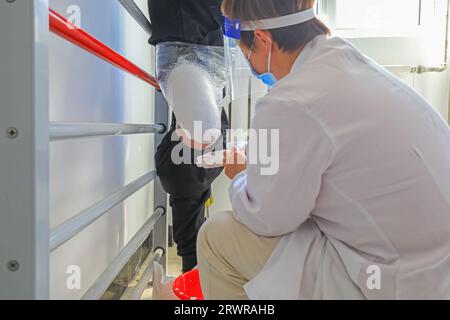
<point x="234" y="27"/>
<point x="238" y="69"/>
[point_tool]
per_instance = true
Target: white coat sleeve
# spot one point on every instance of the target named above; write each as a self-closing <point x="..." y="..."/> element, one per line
<point x="276" y="204"/>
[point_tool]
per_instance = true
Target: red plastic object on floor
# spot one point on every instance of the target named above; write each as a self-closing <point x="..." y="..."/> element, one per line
<point x="188" y="287"/>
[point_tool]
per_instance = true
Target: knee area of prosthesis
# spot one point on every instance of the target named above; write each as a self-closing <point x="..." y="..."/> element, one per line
<point x="192" y="78"/>
<point x="191" y="94"/>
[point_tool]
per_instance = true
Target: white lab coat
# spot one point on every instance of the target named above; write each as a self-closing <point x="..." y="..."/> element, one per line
<point x="362" y="195"/>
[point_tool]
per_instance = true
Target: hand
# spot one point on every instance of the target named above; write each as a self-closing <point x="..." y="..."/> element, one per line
<point x="235" y="162"/>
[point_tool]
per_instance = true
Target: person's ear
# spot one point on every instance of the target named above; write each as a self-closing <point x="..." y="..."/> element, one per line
<point x="265" y="39"/>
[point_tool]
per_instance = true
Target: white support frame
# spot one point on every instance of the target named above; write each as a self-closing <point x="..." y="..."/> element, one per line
<point x="96" y="291"/>
<point x="24" y="145"/>
<point x="24" y="162"/>
<point x="68" y="131"/>
<point x="160" y="234"/>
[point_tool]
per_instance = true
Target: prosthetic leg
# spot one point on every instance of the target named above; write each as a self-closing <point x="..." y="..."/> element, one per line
<point x="189" y="188"/>
<point x="187" y="35"/>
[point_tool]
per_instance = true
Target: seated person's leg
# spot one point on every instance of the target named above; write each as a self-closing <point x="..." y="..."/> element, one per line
<point x="229" y="256"/>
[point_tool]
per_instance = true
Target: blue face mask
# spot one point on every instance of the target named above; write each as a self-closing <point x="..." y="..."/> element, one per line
<point x="267" y="78"/>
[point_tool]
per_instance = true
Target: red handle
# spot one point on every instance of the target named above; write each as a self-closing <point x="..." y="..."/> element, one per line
<point x="63" y="28"/>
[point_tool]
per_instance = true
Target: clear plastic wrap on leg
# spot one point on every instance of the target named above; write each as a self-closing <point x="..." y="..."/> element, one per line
<point x="192" y="78"/>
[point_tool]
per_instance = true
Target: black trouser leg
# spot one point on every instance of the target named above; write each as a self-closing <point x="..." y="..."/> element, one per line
<point x="189" y="188"/>
<point x="188" y="215"/>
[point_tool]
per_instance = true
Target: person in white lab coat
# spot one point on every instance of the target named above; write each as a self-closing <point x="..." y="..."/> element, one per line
<point x="360" y="205"/>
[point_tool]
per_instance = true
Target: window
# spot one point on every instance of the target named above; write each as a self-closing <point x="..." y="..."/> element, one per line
<point x="413" y="30"/>
<point x="381" y="18"/>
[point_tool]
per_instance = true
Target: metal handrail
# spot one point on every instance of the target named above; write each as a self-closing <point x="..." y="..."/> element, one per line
<point x="137" y="15"/>
<point x="74" y="226"/>
<point x="65" y="131"/>
<point x="104" y="281"/>
<point x="66" y="30"/>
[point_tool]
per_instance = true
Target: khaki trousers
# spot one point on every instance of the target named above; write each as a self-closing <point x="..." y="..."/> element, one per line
<point x="229" y="256"/>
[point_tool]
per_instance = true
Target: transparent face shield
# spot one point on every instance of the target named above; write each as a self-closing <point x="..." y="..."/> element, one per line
<point x="240" y="82"/>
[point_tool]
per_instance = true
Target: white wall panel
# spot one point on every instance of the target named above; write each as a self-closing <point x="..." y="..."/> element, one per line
<point x="84" y="88"/>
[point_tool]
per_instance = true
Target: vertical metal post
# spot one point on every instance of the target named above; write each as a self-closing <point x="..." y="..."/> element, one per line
<point x="160" y="196"/>
<point x="134" y="10"/>
<point x="24" y="150"/>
